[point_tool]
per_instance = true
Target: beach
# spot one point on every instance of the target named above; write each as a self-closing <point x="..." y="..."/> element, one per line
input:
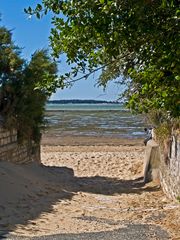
<point x="85" y="185"/>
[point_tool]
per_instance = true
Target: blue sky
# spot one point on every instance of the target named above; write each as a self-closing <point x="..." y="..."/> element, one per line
<point x="32" y="34"/>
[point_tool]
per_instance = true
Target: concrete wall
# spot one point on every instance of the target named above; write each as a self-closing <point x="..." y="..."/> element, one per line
<point x="170" y="171"/>
<point x="11" y="151"/>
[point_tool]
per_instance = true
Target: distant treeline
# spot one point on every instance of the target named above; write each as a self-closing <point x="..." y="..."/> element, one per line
<point x="81" y="101"/>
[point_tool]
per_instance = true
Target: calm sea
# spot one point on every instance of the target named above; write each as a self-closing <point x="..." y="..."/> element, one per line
<point x="93" y="120"/>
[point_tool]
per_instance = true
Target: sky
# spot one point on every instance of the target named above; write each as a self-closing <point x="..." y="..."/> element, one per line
<point x="32" y="34"/>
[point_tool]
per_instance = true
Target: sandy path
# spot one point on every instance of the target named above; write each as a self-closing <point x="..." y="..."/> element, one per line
<point x="91" y="189"/>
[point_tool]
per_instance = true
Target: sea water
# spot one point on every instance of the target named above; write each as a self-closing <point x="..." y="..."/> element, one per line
<point x="93" y="120"/>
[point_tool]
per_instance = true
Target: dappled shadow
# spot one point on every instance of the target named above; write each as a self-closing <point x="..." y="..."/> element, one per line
<point x="30" y="190"/>
<point x="110" y="186"/>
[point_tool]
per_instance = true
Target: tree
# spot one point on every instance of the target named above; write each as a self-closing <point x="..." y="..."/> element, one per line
<point x="11" y="71"/>
<point x="37" y="85"/>
<point x="24" y="87"/>
<point x="136" y="39"/>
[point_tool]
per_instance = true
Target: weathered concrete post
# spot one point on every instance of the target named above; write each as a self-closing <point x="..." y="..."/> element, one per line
<point x="151" y="162"/>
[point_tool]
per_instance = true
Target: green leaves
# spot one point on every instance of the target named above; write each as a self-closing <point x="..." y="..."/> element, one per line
<point x="25" y="87"/>
<point x="39" y="82"/>
<point x="38" y="15"/>
<point x="101" y="1"/>
<point x="167" y="3"/>
<point x="39" y="11"/>
<point x="39" y="7"/>
<point x="136" y="39"/>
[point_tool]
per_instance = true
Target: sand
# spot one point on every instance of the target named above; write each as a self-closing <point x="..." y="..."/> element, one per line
<point x="83" y="185"/>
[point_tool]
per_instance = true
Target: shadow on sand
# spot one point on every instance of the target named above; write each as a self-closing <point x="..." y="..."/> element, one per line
<point x="30" y="190"/>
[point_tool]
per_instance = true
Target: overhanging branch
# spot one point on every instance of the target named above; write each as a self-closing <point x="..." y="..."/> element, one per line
<point x="85" y="76"/>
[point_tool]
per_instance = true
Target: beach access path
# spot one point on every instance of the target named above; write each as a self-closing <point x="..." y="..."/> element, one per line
<point x="85" y="192"/>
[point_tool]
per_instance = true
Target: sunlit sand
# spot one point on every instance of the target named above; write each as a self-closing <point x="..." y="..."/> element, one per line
<point x="83" y="188"/>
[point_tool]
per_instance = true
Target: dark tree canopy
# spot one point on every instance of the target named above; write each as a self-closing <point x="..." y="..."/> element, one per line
<point x="136" y="39"/>
<point x="24" y="87"/>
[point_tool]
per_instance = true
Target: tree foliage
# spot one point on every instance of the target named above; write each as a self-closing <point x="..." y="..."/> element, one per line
<point x="24" y="87"/>
<point x="136" y="39"/>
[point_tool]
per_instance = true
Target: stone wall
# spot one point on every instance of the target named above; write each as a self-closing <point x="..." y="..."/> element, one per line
<point x="170" y="171"/>
<point x="11" y="151"/>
